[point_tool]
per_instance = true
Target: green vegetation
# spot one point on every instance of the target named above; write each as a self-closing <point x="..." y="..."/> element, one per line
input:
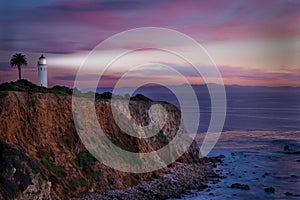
<point x="119" y="144"/>
<point x="162" y="139"/>
<point x="43" y="154"/>
<point x="30" y="104"/>
<point x="95" y="175"/>
<point x="84" y="183"/>
<point x="66" y="141"/>
<point x="23" y="85"/>
<point x="26" y="86"/>
<point x="71" y="162"/>
<point x="126" y="155"/>
<point x="85" y="160"/>
<point x="71" y="186"/>
<point x="3" y="94"/>
<point x="161" y="136"/>
<point x="74" y="184"/>
<point x="132" y="160"/>
<point x="55" y="169"/>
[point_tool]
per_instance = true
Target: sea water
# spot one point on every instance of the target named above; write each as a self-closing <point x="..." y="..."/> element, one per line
<point x="257" y="159"/>
<point x="259" y="123"/>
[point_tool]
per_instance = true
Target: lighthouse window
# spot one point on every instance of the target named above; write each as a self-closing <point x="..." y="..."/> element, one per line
<point x="41" y="69"/>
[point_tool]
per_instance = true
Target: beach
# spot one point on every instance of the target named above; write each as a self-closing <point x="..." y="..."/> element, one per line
<point x="177" y="180"/>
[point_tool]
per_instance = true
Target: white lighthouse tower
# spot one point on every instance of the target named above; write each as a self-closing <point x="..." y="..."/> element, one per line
<point x="42" y="71"/>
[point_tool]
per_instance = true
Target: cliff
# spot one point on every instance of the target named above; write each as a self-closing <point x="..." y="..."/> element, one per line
<point x="42" y="145"/>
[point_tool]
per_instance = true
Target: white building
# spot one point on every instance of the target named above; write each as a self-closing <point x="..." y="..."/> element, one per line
<point x="42" y="71"/>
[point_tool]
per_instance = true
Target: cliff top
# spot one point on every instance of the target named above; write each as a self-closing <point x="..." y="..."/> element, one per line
<point x="28" y="87"/>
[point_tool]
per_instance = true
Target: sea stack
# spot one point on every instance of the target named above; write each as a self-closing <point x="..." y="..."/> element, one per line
<point x="42" y="71"/>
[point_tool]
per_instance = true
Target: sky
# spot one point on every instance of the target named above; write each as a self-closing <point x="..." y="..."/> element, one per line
<point x="252" y="42"/>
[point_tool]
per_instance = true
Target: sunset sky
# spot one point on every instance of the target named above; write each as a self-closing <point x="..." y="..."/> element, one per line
<point x="252" y="42"/>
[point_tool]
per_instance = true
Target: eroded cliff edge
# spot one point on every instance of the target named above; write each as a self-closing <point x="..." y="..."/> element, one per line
<point x="40" y="126"/>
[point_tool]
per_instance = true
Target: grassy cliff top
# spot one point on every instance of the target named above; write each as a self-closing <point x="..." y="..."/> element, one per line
<point x="26" y="86"/>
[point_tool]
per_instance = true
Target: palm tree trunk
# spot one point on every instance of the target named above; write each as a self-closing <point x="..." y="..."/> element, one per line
<point x="19" y="69"/>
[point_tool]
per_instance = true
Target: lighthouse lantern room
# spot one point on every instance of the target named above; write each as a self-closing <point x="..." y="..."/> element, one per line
<point x="42" y="71"/>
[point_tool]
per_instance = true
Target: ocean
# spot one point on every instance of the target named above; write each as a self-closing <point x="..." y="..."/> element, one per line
<point x="259" y="123"/>
<point x="257" y="159"/>
<point x="248" y="107"/>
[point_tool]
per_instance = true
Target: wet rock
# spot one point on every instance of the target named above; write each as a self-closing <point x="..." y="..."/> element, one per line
<point x="292" y="152"/>
<point x="213" y="160"/>
<point x="183" y="180"/>
<point x="270" y="189"/>
<point x="288" y="193"/>
<point x="286" y="148"/>
<point x="240" y="186"/>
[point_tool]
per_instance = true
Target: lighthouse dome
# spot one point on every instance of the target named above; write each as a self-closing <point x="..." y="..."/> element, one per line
<point x="42" y="60"/>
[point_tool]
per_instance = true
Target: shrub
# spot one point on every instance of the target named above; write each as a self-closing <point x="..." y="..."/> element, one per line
<point x="3" y="94"/>
<point x="55" y="169"/>
<point x="85" y="160"/>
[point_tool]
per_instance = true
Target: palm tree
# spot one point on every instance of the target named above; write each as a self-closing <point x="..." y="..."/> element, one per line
<point x="18" y="60"/>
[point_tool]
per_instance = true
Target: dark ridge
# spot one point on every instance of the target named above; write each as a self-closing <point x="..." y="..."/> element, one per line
<point x="140" y="97"/>
<point x="26" y="86"/>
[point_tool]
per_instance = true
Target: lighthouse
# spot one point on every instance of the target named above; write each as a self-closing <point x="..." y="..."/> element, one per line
<point x="42" y="71"/>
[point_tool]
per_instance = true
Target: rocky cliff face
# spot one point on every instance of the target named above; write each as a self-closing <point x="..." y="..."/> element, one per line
<point x="39" y="129"/>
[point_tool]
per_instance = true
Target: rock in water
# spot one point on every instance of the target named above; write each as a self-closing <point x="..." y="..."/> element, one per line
<point x="286" y="148"/>
<point x="240" y="186"/>
<point x="270" y="189"/>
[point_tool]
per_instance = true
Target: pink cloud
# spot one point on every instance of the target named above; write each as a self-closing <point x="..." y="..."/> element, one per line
<point x="248" y="76"/>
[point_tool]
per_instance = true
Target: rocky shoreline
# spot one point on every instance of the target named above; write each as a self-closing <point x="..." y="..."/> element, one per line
<point x="181" y="179"/>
